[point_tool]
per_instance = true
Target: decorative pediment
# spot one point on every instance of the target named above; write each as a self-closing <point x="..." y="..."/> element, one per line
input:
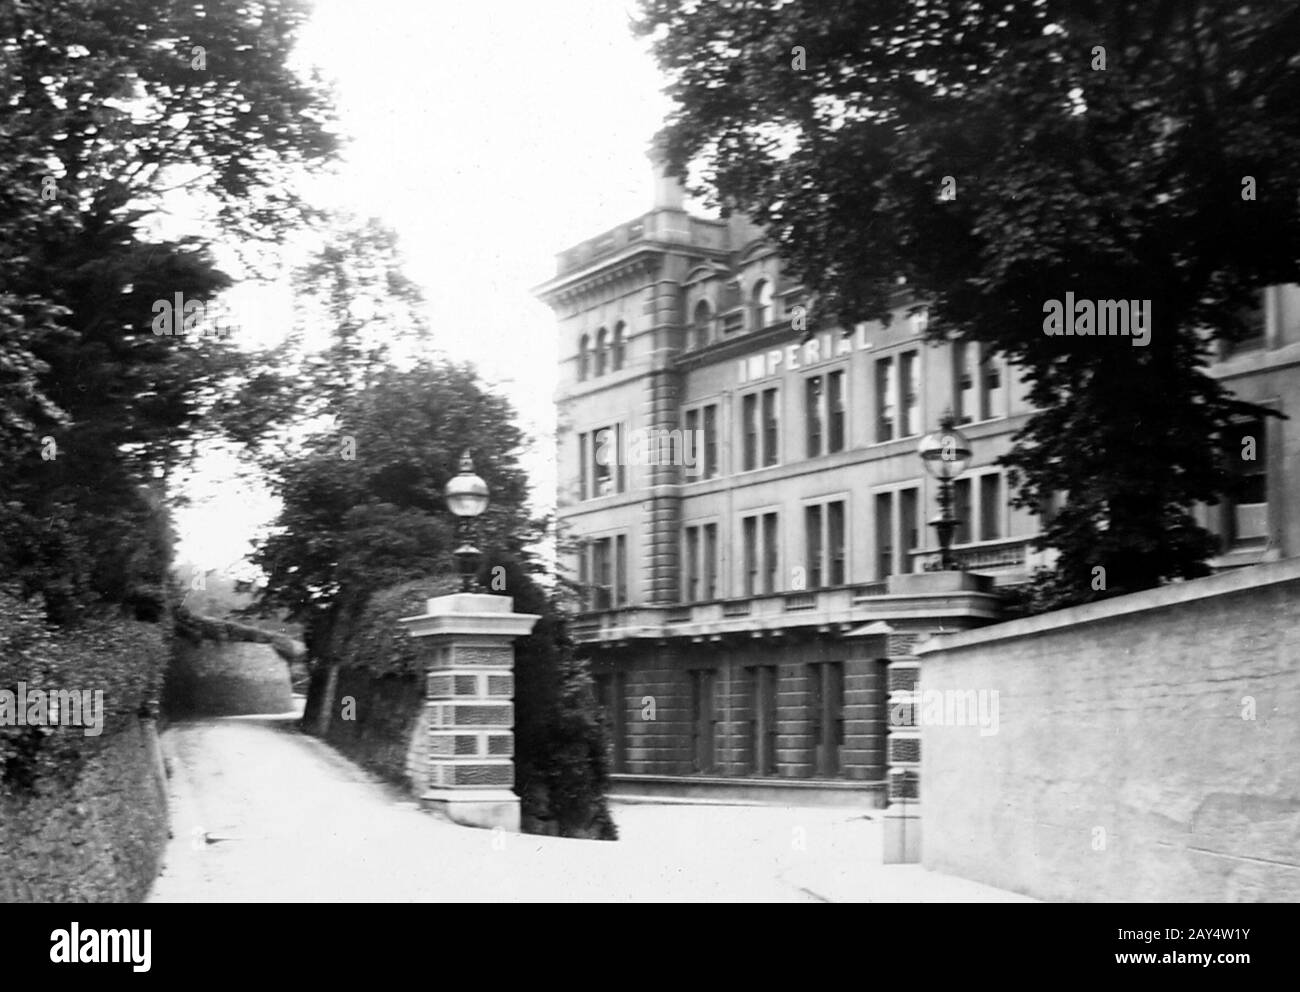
<point x="704" y="273"/>
<point x="755" y="250"/>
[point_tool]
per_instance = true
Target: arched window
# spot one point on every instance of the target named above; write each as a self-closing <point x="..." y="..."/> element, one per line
<point x="700" y="325"/>
<point x="584" y="358"/>
<point x="762" y="304"/>
<point x="602" y="351"/>
<point x="619" y="328"/>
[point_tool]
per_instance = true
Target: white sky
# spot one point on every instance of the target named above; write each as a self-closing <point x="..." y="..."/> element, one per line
<point x="490" y="135"/>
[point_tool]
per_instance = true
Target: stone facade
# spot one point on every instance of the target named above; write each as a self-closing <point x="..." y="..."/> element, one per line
<point x="673" y="322"/>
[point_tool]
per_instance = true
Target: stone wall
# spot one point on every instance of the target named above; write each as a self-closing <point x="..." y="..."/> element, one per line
<point x="226" y="678"/>
<point x="102" y="839"/>
<point x="1145" y="749"/>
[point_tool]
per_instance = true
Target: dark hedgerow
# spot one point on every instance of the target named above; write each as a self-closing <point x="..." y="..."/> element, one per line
<point x="122" y="658"/>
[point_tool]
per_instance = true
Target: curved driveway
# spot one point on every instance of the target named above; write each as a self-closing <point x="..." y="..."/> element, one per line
<point x="261" y="812"/>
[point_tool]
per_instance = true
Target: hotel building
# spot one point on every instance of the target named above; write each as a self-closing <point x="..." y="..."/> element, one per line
<point x="753" y="598"/>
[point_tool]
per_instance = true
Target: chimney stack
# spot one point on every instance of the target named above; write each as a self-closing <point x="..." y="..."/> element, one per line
<point x="668" y="191"/>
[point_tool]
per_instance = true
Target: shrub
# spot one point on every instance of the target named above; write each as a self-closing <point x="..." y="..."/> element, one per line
<point x="122" y="658"/>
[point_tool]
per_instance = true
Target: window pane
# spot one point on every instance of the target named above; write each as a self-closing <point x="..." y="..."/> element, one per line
<point x="835" y="542"/>
<point x="604" y="457"/>
<point x="990" y="507"/>
<point x="812" y="529"/>
<point x="584" y="462"/>
<point x="884" y="535"/>
<point x="703" y="317"/>
<point x="619" y="461"/>
<point x="907" y="525"/>
<point x="710" y="561"/>
<point x="1254" y="318"/>
<point x="601" y="566"/>
<point x="992" y="400"/>
<point x="1251" y="457"/>
<point x="835" y="407"/>
<point x="620" y="570"/>
<point x="770" y="549"/>
<point x="763" y="737"/>
<point x="885" y="387"/>
<point x="813" y="416"/>
<point x="1248" y="456"/>
<point x="770" y="450"/>
<point x="692" y="563"/>
<point x="749" y="539"/>
<point x="964" y="383"/>
<point x="962" y="533"/>
<point x="749" y="424"/>
<point x="710" y="441"/>
<point x="909" y="382"/>
<point x="762" y="304"/>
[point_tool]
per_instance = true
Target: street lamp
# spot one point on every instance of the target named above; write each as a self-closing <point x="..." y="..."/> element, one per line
<point x="467" y="497"/>
<point x="945" y="454"/>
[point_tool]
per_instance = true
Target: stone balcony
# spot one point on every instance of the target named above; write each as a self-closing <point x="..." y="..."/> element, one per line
<point x="840" y="610"/>
<point x="1012" y="557"/>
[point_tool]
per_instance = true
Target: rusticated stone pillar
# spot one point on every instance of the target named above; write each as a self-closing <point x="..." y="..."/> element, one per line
<point x="902" y="819"/>
<point x="468" y="730"/>
<point x="945" y="601"/>
<point x="662" y="413"/>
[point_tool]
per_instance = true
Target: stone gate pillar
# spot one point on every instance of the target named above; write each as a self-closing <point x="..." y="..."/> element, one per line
<point x="902" y="819"/>
<point x="922" y="603"/>
<point x="466" y="742"/>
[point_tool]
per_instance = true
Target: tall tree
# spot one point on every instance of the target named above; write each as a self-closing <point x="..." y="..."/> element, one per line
<point x="362" y="502"/>
<point x="356" y="315"/>
<point x="995" y="156"/>
<point x="106" y="106"/>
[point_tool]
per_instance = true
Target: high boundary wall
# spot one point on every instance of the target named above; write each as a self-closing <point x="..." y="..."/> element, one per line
<point x="1146" y="748"/>
<point x="226" y="678"/>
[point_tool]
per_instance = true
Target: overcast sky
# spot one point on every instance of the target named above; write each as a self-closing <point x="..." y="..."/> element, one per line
<point x="490" y="135"/>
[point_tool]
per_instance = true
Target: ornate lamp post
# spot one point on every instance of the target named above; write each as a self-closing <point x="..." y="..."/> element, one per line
<point x="945" y="454"/>
<point x="467" y="497"/>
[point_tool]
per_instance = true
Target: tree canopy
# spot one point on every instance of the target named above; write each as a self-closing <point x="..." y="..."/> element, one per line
<point x="105" y="107"/>
<point x="994" y="156"/>
<point x="363" y="504"/>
